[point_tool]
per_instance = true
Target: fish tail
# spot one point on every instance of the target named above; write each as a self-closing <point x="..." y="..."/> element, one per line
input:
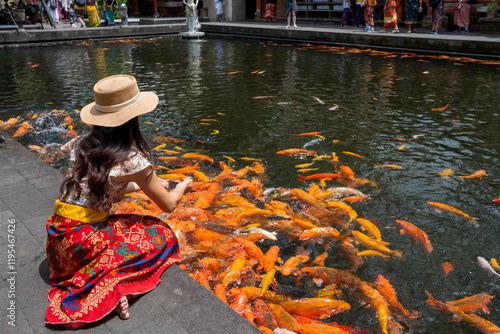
<point x="398" y="254"/>
<point x="302" y="178"/>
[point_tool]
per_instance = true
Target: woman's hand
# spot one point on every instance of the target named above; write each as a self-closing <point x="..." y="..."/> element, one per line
<point x="187" y="183"/>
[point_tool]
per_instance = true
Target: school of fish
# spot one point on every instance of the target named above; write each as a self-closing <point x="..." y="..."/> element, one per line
<point x="230" y="228"/>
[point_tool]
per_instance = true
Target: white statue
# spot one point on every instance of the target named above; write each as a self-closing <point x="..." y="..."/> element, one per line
<point x="192" y="15"/>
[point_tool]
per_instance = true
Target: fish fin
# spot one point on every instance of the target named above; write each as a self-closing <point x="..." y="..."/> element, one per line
<point x="302" y="178"/>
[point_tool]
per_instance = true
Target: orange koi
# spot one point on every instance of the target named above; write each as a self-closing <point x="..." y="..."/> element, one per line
<point x="353" y="154"/>
<point x="333" y="276"/>
<point x="320" y="328"/>
<point x="370" y="252"/>
<point x="399" y="138"/>
<point x="355" y="199"/>
<point x="291" y="264"/>
<point x="252" y="250"/>
<point x="387" y="290"/>
<point x="235" y="72"/>
<point x="315" y="307"/>
<point x="401" y="148"/>
<point x="250" y="212"/>
<point x="440" y="109"/>
<point x="497" y="200"/>
<point x="446" y="172"/>
<point x="370" y="228"/>
<point x="270" y="258"/>
<point x="235" y="270"/>
<point x="447" y="268"/>
<point x="320" y="232"/>
<point x="263" y="315"/>
<point x="479" y="174"/>
<point x="308" y="134"/>
<point x="220" y="292"/>
<point x="443" y="207"/>
<point x="416" y="234"/>
<point x="203" y="280"/>
<point x="458" y="315"/>
<point x="239" y="302"/>
<point x="388" y="166"/>
<point x="296" y="152"/>
<point x="166" y="159"/>
<point x="198" y="157"/>
<point x="212" y="264"/>
<point x="283" y="318"/>
<point x="379" y="304"/>
<point x="494" y="263"/>
<point x="320" y="176"/>
<point x="473" y="304"/>
<point x="254" y="190"/>
<point x="8" y="124"/>
<point x="374" y="245"/>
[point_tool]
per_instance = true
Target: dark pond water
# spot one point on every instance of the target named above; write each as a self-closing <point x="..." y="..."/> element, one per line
<point x="380" y="96"/>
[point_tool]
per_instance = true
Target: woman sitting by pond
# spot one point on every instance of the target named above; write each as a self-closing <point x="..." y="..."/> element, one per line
<point x="96" y="260"/>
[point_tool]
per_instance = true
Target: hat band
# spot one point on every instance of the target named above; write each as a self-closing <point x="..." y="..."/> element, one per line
<point x="120" y="106"/>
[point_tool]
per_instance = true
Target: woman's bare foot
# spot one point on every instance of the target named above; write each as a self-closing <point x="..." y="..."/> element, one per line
<point x="122" y="308"/>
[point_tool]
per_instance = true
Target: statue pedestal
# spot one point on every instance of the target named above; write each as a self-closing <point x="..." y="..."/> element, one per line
<point x="194" y="34"/>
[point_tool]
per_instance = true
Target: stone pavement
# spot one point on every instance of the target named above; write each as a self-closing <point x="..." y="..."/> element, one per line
<point x="28" y="188"/>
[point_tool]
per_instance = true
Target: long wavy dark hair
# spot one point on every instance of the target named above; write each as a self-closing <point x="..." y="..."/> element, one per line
<point x="98" y="152"/>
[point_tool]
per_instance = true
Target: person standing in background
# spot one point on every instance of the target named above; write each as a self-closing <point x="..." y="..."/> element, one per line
<point x="437" y="14"/>
<point x="462" y="12"/>
<point x="291" y="11"/>
<point x="80" y="11"/>
<point x="369" y="10"/>
<point x="52" y="10"/>
<point x="346" y="17"/>
<point x="390" y="16"/>
<point x="92" y="13"/>
<point x="413" y="7"/>
<point x="270" y="10"/>
<point x="219" y="9"/>
<point x="109" y="13"/>
<point x="360" y="12"/>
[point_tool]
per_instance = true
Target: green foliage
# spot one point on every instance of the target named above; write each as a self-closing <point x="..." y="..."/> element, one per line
<point x="492" y="5"/>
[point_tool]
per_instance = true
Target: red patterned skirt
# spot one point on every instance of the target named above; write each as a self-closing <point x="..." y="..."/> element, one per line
<point x="92" y="265"/>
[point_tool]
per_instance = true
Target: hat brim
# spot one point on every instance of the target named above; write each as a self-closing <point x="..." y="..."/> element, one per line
<point x="90" y="115"/>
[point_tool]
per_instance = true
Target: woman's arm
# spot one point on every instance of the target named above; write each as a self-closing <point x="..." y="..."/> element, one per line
<point x="152" y="186"/>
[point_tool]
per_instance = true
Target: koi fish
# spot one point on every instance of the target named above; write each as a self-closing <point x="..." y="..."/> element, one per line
<point x="307" y="134"/>
<point x="387" y="290"/>
<point x="333" y="108"/>
<point x="283" y="318"/>
<point x="458" y="315"/>
<point x="215" y="132"/>
<point x="447" y="268"/>
<point x="446" y="172"/>
<point x="370" y="228"/>
<point x="304" y="165"/>
<point x="159" y="147"/>
<point x="440" y="109"/>
<point x="234" y="271"/>
<point x="296" y="152"/>
<point x="315" y="307"/>
<point x="494" y="264"/>
<point x="249" y="159"/>
<point x="399" y="138"/>
<point x="270" y="258"/>
<point x="235" y="72"/>
<point x="267" y="280"/>
<point x="303" y="170"/>
<point x="374" y="245"/>
<point x="320" y="176"/>
<point x="263" y="315"/>
<point x="388" y="166"/>
<point x="443" y="207"/>
<point x="370" y="252"/>
<point x="355" y="199"/>
<point x="229" y="158"/>
<point x="401" y="148"/>
<point x="198" y="157"/>
<point x="8" y="124"/>
<point x="209" y="120"/>
<point x="416" y="234"/>
<point x="479" y="174"/>
<point x="353" y="154"/>
<point x="319" y="101"/>
<point x="170" y="152"/>
<point x="284" y="103"/>
<point x="320" y="232"/>
<point x="333" y="276"/>
<point x="483" y="263"/>
<point x="496" y="200"/>
<point x="473" y="304"/>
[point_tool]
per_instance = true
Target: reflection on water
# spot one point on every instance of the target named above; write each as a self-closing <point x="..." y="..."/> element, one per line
<point x="380" y="96"/>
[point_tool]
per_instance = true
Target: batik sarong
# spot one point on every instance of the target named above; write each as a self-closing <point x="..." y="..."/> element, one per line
<point x="462" y="12"/>
<point x="109" y="15"/>
<point x="411" y="12"/>
<point x="390" y="14"/>
<point x="369" y="10"/>
<point x="270" y="8"/>
<point x="94" y="260"/>
<point x="437" y="13"/>
<point x="93" y="16"/>
<point x="346" y="17"/>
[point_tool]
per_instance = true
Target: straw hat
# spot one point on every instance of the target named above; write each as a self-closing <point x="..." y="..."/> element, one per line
<point x="117" y="100"/>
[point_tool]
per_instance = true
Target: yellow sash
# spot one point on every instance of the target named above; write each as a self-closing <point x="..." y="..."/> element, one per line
<point x="79" y="213"/>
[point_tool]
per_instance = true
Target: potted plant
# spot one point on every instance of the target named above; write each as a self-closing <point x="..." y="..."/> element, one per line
<point x="492" y="9"/>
